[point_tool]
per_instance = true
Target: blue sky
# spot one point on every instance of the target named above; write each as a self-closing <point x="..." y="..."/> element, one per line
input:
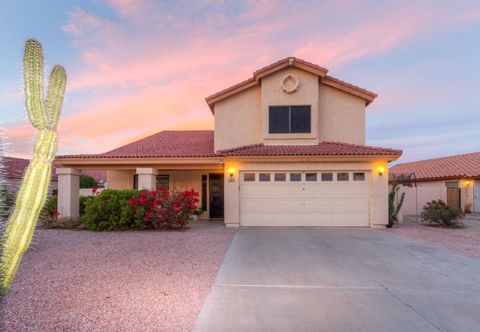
<point x="138" y="67"/>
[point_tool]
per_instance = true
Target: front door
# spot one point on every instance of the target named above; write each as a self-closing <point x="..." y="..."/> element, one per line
<point x="216" y="195"/>
<point x="453" y="197"/>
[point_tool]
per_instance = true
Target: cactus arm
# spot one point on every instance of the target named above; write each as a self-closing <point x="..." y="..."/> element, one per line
<point x="55" y="93"/>
<point x="33" y="77"/>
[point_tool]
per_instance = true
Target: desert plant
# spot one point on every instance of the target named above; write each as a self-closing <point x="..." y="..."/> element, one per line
<point x="110" y="211"/>
<point x="43" y="112"/>
<point x="164" y="209"/>
<point x="86" y="181"/>
<point x="437" y="212"/>
<point x="393" y="209"/>
<point x="7" y="201"/>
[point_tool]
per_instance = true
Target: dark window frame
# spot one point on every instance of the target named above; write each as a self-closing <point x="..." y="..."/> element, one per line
<point x="356" y="176"/>
<point x="315" y="177"/>
<point x="264" y="177"/>
<point x="293" y="179"/>
<point x="280" y="177"/>
<point x="158" y="180"/>
<point x="340" y="179"/>
<point x="249" y="180"/>
<point x="204" y="192"/>
<point x="326" y="177"/>
<point x="291" y="109"/>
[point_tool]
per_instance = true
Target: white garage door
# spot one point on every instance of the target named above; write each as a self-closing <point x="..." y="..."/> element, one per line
<point x="293" y="198"/>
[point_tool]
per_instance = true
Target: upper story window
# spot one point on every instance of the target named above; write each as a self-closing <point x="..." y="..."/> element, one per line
<point x="289" y="119"/>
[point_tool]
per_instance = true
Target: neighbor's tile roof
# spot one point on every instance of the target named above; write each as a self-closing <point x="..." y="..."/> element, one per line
<point x="165" y="144"/>
<point x="453" y="167"/>
<point x="199" y="143"/>
<point x="321" y="149"/>
<point x="14" y="168"/>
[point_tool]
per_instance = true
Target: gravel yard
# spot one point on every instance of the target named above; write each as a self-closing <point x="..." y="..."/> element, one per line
<point x="463" y="241"/>
<point x="117" y="281"/>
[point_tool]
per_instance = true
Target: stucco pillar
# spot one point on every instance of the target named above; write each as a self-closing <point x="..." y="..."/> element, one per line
<point x="68" y="192"/>
<point x="232" y="195"/>
<point x="147" y="178"/>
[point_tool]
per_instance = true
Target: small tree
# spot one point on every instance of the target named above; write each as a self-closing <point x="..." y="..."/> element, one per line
<point x="437" y="212"/>
<point x="393" y="209"/>
<point x="86" y="181"/>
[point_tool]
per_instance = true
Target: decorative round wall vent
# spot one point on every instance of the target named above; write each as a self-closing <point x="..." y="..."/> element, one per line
<point x="290" y="83"/>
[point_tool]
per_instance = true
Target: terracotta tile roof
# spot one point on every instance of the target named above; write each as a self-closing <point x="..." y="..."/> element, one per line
<point x="165" y="144"/>
<point x="321" y="149"/>
<point x="14" y="168"/>
<point x="199" y="144"/>
<point x="453" y="167"/>
<point x="295" y="62"/>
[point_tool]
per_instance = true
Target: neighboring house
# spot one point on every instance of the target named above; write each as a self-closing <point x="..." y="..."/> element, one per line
<point x="455" y="180"/>
<point x="13" y="171"/>
<point x="288" y="150"/>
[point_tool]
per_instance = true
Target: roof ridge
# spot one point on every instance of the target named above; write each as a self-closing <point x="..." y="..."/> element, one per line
<point x="437" y="158"/>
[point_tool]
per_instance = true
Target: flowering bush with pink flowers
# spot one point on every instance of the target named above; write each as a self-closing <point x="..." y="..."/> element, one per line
<point x="164" y="209"/>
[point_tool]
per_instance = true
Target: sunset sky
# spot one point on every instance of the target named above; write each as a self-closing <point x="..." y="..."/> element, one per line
<point x="138" y="67"/>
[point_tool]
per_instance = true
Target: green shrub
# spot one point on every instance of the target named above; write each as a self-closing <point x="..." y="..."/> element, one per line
<point x="393" y="209"/>
<point x="50" y="205"/>
<point x="437" y="212"/>
<point x="86" y="181"/>
<point x="7" y="201"/>
<point x="110" y="211"/>
<point x="83" y="203"/>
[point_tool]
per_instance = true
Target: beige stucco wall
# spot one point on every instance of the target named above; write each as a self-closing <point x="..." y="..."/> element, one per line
<point x="242" y="118"/>
<point x="434" y="190"/>
<point x="120" y="179"/>
<point x="378" y="192"/>
<point x="342" y="116"/>
<point x="306" y="94"/>
<point x="238" y="120"/>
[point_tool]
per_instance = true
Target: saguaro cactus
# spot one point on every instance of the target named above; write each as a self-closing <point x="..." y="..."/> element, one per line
<point x="43" y="113"/>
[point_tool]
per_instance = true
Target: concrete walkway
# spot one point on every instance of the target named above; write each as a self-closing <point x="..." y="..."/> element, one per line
<point x="310" y="279"/>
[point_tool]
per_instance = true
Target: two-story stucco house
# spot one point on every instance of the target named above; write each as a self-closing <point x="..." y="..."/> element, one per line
<point x="288" y="149"/>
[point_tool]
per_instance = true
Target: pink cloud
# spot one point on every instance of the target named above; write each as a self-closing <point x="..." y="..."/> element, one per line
<point x="151" y="68"/>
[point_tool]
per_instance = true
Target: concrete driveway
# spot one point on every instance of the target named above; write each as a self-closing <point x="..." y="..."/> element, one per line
<point x="311" y="279"/>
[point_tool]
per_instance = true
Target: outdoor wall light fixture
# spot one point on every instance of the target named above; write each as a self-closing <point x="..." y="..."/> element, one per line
<point x="231" y="171"/>
<point x="381" y="170"/>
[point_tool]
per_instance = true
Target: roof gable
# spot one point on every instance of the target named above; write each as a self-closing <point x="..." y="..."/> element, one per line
<point x="295" y="63"/>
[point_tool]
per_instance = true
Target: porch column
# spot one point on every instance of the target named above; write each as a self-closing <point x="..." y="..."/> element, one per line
<point x="147" y="178"/>
<point x="68" y="192"/>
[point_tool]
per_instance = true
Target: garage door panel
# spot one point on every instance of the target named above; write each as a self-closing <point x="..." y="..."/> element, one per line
<point x="310" y="219"/>
<point x="305" y="203"/>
